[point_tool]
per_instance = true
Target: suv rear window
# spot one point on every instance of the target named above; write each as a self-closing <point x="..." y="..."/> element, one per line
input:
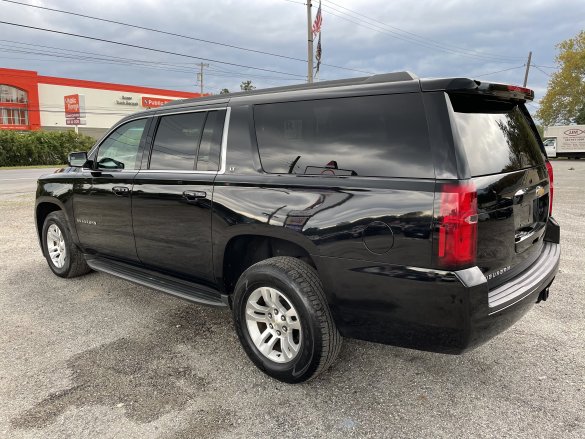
<point x="384" y="136"/>
<point x="496" y="135"/>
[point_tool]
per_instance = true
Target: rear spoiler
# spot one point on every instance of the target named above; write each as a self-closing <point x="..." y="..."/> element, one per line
<point x="470" y="86"/>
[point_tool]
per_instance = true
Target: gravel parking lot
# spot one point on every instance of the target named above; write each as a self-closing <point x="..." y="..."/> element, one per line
<point x="100" y="357"/>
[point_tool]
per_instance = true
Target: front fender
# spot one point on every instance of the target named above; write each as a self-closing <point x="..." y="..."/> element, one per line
<point x="56" y="190"/>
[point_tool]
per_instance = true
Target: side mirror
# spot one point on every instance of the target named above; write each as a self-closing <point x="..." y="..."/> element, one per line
<point x="77" y="159"/>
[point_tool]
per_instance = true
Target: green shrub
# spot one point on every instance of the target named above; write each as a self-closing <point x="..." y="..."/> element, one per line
<point x="40" y="147"/>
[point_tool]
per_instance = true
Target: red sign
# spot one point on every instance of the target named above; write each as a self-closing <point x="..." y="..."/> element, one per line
<point x="148" y="102"/>
<point x="74" y="109"/>
<point x="72" y="106"/>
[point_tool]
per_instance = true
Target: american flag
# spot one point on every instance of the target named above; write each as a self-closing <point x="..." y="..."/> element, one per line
<point x="318" y="21"/>
<point x="318" y="54"/>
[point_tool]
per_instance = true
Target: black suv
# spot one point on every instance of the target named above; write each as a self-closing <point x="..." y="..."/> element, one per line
<point x="406" y="211"/>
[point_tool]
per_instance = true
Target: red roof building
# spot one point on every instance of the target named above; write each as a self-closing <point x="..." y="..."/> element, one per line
<point x="29" y="101"/>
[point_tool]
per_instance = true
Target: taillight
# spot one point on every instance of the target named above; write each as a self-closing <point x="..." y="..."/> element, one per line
<point x="457" y="226"/>
<point x="551" y="179"/>
<point x="528" y="93"/>
<point x="508" y="91"/>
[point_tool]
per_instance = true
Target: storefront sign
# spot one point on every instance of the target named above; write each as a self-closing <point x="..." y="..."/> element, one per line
<point x="75" y="121"/>
<point x="126" y="100"/>
<point x="148" y="102"/>
<point x="74" y="109"/>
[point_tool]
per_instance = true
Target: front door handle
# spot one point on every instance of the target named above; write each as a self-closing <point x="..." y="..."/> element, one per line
<point x="121" y="190"/>
<point x="194" y="195"/>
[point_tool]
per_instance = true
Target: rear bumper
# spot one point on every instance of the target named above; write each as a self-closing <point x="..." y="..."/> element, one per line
<point x="507" y="303"/>
<point x="430" y="310"/>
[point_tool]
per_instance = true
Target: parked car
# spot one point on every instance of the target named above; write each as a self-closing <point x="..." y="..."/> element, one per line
<point x="412" y="212"/>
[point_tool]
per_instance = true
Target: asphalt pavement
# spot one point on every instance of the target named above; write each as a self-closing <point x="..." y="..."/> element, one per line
<point x="100" y="357"/>
<point x="20" y="181"/>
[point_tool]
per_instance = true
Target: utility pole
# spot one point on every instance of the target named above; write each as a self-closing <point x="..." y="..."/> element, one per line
<point x="527" y="68"/>
<point x="200" y="76"/>
<point x="310" y="41"/>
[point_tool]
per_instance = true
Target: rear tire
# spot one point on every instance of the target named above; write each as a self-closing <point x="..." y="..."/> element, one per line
<point x="283" y="321"/>
<point x="63" y="256"/>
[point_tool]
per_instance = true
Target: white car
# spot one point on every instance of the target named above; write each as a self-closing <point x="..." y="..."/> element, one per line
<point x="550" y="146"/>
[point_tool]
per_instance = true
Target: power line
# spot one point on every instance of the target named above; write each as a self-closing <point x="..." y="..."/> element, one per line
<point x="159" y="86"/>
<point x="109" y="59"/>
<point x="78" y="58"/>
<point x="499" y="71"/>
<point x="61" y="11"/>
<point x="149" y="29"/>
<point x="378" y="28"/>
<point x="135" y="46"/>
<point x="540" y="70"/>
<point x="423" y="38"/>
<point x="138" y="64"/>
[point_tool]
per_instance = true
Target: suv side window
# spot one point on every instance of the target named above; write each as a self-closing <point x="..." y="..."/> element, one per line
<point x="209" y="150"/>
<point x="383" y="136"/>
<point x="120" y="149"/>
<point x="176" y="141"/>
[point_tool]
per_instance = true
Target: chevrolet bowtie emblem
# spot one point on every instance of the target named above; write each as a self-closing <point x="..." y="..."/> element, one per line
<point x="539" y="191"/>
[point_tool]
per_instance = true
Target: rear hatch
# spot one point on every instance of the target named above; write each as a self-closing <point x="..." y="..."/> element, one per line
<point x="504" y="156"/>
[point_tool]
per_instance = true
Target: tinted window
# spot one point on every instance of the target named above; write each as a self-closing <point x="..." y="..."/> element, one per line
<point x="209" y="150"/>
<point x="121" y="147"/>
<point x="496" y="136"/>
<point x="176" y="140"/>
<point x="367" y="136"/>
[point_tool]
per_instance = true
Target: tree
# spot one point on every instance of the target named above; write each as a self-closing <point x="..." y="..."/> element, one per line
<point x="247" y="86"/>
<point x="564" y="101"/>
<point x="580" y="118"/>
<point x="224" y="91"/>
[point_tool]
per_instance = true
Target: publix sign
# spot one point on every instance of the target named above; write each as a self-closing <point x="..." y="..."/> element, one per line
<point x="149" y="102"/>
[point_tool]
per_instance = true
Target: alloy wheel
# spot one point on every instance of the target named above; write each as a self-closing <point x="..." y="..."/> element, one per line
<point x="56" y="246"/>
<point x="273" y="324"/>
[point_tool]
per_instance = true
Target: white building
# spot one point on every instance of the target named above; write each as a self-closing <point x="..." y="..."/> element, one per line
<point x="29" y="101"/>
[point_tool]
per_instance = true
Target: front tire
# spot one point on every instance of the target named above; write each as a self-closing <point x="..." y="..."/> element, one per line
<point x="283" y="320"/>
<point x="63" y="256"/>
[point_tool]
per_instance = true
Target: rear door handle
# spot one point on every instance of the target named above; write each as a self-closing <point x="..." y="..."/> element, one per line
<point x="121" y="190"/>
<point x="194" y="195"/>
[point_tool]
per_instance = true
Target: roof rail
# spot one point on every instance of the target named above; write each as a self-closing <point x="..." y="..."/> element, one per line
<point x="384" y="77"/>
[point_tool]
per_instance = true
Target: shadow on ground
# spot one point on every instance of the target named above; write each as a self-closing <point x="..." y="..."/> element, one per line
<point x="147" y="376"/>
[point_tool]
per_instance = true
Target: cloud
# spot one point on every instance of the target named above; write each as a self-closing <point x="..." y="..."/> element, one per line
<point x="430" y="38"/>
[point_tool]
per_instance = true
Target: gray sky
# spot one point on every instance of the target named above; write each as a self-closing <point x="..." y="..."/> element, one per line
<point x="430" y="38"/>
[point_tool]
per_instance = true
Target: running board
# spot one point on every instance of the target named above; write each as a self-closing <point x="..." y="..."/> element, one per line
<point x="190" y="291"/>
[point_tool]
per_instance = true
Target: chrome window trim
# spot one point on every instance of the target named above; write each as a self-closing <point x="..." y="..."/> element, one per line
<point x="178" y="171"/>
<point x="193" y="110"/>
